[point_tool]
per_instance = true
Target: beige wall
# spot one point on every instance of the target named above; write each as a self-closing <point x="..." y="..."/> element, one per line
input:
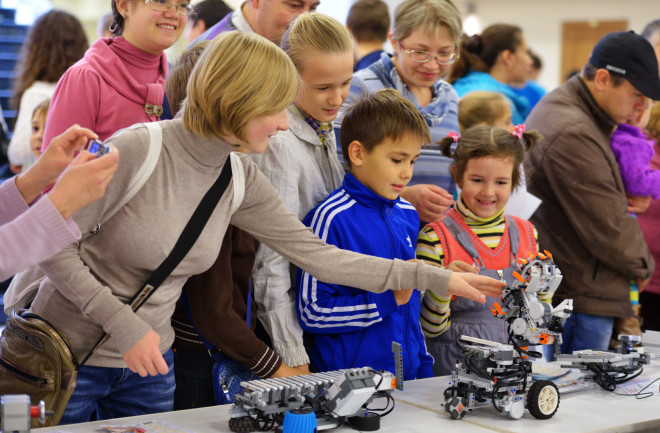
<point x="540" y="19"/>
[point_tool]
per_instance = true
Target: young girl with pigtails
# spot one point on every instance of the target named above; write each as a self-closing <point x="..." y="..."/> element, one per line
<point x="475" y="230"/>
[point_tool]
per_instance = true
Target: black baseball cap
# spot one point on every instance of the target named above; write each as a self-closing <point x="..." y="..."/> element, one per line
<point x="630" y="56"/>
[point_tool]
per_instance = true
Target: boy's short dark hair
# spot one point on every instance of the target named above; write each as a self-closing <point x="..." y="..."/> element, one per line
<point x="369" y="21"/>
<point x="380" y="115"/>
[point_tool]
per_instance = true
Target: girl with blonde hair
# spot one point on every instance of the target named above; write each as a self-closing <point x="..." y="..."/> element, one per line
<point x="302" y="163"/>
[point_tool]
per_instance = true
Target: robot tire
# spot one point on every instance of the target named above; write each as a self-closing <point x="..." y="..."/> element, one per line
<point x="243" y="424"/>
<point x="456" y="407"/>
<point x="543" y="399"/>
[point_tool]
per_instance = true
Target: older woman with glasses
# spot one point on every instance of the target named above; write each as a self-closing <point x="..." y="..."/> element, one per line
<point x="425" y="39"/>
<point x="121" y="80"/>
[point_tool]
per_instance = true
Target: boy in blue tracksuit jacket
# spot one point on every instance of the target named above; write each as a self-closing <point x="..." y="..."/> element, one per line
<point x="345" y="327"/>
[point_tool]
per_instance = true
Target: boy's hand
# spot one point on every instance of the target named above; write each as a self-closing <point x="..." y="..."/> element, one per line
<point x="402" y="296"/>
<point x="286" y="371"/>
<point x="475" y="287"/>
<point x="461" y="266"/>
<point x="431" y="201"/>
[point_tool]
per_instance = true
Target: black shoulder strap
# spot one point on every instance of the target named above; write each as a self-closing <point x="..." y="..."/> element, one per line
<point x="187" y="239"/>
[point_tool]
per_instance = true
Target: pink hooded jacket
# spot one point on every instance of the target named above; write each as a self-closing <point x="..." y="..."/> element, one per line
<point x="108" y="89"/>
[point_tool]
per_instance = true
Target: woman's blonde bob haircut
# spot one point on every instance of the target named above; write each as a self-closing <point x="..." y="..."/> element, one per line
<point x="312" y="33"/>
<point x="238" y="77"/>
<point x="428" y="16"/>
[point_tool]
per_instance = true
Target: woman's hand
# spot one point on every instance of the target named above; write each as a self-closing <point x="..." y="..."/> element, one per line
<point x="52" y="162"/>
<point x="431" y="201"/>
<point x="83" y="181"/>
<point x="145" y="358"/>
<point x="475" y="287"/>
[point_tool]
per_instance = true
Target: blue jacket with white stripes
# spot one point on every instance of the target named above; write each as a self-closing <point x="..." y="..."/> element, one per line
<point x="347" y="327"/>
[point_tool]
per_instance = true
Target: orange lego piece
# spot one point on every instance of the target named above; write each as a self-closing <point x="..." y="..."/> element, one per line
<point x="546" y="339"/>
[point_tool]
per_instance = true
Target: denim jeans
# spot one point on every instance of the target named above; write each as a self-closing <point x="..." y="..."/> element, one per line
<point x="118" y="392"/>
<point x="586" y="331"/>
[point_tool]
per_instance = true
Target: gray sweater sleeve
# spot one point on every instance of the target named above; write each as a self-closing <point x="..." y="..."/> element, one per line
<point x="285" y="234"/>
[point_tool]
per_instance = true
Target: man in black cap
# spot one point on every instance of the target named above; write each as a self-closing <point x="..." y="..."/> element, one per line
<point x="584" y="219"/>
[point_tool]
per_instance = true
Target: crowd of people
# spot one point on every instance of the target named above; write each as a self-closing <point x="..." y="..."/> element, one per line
<point x="323" y="248"/>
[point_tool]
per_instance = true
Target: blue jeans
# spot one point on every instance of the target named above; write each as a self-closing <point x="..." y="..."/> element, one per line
<point x="586" y="331"/>
<point x="118" y="392"/>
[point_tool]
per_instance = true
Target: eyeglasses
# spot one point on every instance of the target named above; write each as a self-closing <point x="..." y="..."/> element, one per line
<point x="184" y="9"/>
<point x="419" y="56"/>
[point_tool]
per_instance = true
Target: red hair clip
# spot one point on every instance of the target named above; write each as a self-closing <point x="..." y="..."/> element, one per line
<point x="518" y="131"/>
<point x="453" y="135"/>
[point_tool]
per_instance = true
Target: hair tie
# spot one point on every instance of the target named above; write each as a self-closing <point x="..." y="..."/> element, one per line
<point x="518" y="131"/>
<point x="453" y="135"/>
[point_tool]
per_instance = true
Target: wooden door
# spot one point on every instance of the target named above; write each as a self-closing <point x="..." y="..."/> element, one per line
<point x="578" y="39"/>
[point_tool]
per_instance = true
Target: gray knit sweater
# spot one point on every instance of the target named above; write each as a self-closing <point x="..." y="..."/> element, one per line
<point x="89" y="282"/>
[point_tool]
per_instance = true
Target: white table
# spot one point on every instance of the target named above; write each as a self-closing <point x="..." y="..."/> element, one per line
<point x="418" y="409"/>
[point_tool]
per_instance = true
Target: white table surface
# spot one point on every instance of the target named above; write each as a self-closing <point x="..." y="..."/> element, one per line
<point x="418" y="409"/>
<point x="593" y="410"/>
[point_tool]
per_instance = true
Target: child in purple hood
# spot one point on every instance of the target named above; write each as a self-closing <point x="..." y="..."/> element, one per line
<point x="634" y="150"/>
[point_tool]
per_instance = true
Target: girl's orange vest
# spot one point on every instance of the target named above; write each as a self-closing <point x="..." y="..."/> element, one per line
<point x="459" y="242"/>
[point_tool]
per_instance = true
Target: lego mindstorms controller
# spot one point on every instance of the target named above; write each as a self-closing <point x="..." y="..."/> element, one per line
<point x="334" y="397"/>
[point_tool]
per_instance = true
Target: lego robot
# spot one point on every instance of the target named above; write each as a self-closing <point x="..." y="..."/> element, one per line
<point x="500" y="374"/>
<point x="497" y="374"/>
<point x="335" y="397"/>
<point x="532" y="322"/>
<point x="610" y="368"/>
